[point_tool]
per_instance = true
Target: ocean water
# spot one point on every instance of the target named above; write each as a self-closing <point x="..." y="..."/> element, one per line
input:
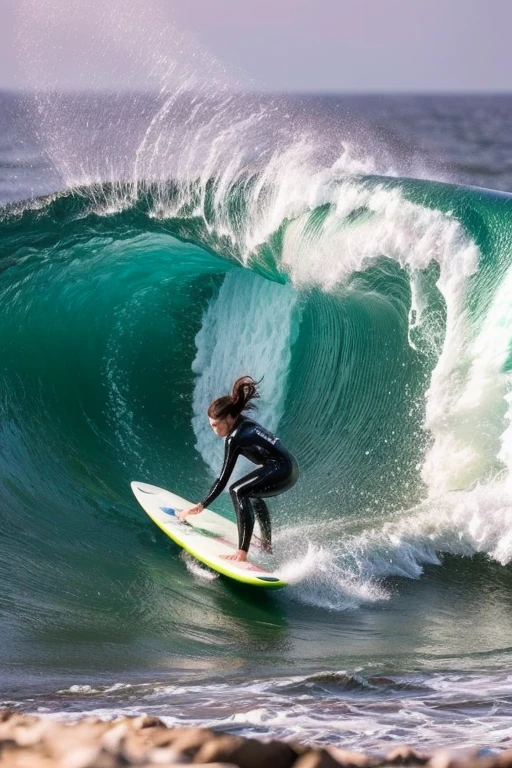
<point x="356" y="253"/>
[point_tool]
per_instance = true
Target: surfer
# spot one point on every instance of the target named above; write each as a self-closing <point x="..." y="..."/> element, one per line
<point x="276" y="473"/>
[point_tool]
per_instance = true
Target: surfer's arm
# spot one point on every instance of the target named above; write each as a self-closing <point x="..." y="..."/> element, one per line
<point x="231" y="451"/>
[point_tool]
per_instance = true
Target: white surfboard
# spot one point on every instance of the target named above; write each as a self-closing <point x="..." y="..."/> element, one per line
<point x="207" y="536"/>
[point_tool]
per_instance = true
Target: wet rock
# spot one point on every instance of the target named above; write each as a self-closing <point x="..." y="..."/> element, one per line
<point x="347" y="757"/>
<point x="147" y="721"/>
<point x="11" y="721"/>
<point x="188" y="741"/>
<point x="504" y="760"/>
<point x="246" y="753"/>
<point x="89" y="757"/>
<point x="405" y="755"/>
<point x="166" y="756"/>
<point x="145" y="742"/>
<point x="62" y="740"/>
<point x="453" y="758"/>
<point x="317" y="758"/>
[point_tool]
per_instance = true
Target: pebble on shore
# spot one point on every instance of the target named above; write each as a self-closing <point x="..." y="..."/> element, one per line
<point x="28" y="741"/>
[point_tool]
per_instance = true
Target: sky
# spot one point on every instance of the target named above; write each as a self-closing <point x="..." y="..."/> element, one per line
<point x="271" y="45"/>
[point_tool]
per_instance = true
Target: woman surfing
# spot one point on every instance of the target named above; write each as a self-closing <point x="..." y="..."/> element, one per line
<point x="277" y="468"/>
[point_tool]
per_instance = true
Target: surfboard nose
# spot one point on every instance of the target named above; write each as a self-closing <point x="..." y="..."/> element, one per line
<point x="145" y="488"/>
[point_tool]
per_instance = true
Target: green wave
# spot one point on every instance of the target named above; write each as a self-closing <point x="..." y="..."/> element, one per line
<point x="102" y="299"/>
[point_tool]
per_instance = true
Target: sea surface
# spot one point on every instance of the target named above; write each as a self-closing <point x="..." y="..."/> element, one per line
<point x="356" y="253"/>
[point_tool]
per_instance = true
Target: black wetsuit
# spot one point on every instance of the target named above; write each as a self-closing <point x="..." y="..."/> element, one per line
<point x="277" y="472"/>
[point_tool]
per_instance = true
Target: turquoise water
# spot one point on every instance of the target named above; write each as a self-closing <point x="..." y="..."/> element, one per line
<point x="376" y="308"/>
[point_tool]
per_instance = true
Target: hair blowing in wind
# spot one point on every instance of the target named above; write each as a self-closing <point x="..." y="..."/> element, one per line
<point x="244" y="390"/>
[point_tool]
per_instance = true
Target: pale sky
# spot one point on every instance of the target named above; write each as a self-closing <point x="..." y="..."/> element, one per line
<point x="276" y="45"/>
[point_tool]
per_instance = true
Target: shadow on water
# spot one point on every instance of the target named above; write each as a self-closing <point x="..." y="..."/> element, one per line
<point x="254" y="617"/>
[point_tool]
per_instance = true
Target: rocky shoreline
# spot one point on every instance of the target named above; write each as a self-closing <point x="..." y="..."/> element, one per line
<point x="28" y="741"/>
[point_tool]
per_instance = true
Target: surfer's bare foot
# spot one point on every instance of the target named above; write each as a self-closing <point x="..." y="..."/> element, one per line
<point x="239" y="556"/>
<point x="266" y="546"/>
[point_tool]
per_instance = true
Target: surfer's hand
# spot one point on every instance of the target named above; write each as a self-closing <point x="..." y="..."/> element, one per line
<point x="192" y="511"/>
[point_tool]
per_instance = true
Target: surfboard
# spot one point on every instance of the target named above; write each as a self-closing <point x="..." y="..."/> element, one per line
<point x="206" y="536"/>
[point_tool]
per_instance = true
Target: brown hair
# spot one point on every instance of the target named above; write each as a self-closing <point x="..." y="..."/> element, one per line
<point x="244" y="390"/>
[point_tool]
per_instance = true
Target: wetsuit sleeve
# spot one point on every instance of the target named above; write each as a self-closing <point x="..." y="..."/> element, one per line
<point x="231" y="451"/>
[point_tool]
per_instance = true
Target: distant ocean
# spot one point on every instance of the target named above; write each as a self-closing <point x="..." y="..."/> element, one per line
<point x="356" y="252"/>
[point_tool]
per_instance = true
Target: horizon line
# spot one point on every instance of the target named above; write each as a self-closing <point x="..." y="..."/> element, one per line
<point x="262" y="93"/>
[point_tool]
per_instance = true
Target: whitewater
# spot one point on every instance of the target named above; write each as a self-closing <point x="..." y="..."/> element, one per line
<point x="156" y="245"/>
